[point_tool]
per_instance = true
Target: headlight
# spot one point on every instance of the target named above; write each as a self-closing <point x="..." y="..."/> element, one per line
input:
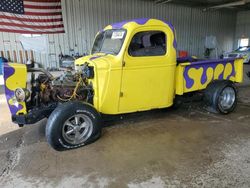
<point x="22" y="94"/>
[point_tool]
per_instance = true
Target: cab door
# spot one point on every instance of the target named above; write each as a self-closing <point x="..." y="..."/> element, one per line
<point x="148" y="71"/>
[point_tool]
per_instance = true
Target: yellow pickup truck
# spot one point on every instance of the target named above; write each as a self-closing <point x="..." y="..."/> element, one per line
<point x="132" y="67"/>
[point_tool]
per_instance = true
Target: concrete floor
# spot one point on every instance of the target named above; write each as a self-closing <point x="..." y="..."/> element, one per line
<point x="188" y="147"/>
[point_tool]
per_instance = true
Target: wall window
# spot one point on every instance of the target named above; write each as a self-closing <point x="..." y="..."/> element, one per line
<point x="148" y="43"/>
<point x="243" y="42"/>
<point x="31" y="35"/>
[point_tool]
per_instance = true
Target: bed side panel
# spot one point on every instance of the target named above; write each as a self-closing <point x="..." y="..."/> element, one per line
<point x="197" y="75"/>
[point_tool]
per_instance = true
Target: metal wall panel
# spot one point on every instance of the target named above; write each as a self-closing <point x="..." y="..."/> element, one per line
<point x="83" y="18"/>
<point x="242" y="26"/>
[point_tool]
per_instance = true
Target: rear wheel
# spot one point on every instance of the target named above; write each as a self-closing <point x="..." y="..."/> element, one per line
<point x="221" y="96"/>
<point x="20" y="125"/>
<point x="72" y="125"/>
<point x="178" y="101"/>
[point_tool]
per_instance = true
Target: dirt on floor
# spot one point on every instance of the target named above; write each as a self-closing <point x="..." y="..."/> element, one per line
<point x="188" y="147"/>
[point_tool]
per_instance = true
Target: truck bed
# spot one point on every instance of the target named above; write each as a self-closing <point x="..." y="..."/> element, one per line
<point x="193" y="75"/>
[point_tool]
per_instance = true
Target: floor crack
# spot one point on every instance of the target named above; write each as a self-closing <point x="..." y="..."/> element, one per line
<point x="13" y="157"/>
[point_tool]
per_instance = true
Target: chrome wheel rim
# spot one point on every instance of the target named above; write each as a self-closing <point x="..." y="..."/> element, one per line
<point x="227" y="98"/>
<point x="77" y="129"/>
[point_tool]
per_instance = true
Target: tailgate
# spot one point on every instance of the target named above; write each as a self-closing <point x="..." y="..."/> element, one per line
<point x="193" y="76"/>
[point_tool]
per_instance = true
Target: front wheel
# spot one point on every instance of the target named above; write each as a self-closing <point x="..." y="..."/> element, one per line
<point x="221" y="96"/>
<point x="72" y="125"/>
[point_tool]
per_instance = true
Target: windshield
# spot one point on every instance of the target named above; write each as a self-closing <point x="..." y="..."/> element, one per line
<point x="243" y="49"/>
<point x="109" y="42"/>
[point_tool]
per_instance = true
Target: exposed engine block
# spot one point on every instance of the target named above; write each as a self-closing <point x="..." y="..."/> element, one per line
<point x="64" y="88"/>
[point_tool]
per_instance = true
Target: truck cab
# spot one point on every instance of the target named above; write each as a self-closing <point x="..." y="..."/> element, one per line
<point x="135" y="64"/>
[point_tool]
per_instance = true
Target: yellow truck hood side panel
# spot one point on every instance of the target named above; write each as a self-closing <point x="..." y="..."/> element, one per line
<point x="106" y="82"/>
<point x="15" y="76"/>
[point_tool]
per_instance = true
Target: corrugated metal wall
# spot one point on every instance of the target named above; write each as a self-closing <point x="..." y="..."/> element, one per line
<point x="242" y="26"/>
<point x="83" y="18"/>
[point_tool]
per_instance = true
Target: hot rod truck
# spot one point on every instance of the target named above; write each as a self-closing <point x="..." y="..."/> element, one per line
<point x="132" y="67"/>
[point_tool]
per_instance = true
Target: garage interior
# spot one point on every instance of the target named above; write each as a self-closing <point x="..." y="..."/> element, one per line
<point x="184" y="147"/>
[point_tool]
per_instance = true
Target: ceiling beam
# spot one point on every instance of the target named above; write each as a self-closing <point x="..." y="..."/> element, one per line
<point x="162" y="1"/>
<point x="228" y="5"/>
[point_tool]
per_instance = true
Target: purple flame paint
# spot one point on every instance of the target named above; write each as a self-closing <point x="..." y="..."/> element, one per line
<point x="140" y="21"/>
<point x="206" y="65"/>
<point x="8" y="71"/>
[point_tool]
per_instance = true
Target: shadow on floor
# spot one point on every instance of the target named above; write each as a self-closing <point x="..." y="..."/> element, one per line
<point x="36" y="132"/>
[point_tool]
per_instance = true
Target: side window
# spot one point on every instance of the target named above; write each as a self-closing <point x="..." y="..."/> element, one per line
<point x="148" y="43"/>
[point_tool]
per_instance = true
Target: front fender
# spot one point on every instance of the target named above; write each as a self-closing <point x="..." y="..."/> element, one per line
<point x="15" y="76"/>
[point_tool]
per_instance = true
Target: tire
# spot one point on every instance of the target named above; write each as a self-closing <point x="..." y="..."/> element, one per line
<point x="248" y="74"/>
<point x="72" y="125"/>
<point x="221" y="96"/>
<point x="20" y="125"/>
<point x="178" y="102"/>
